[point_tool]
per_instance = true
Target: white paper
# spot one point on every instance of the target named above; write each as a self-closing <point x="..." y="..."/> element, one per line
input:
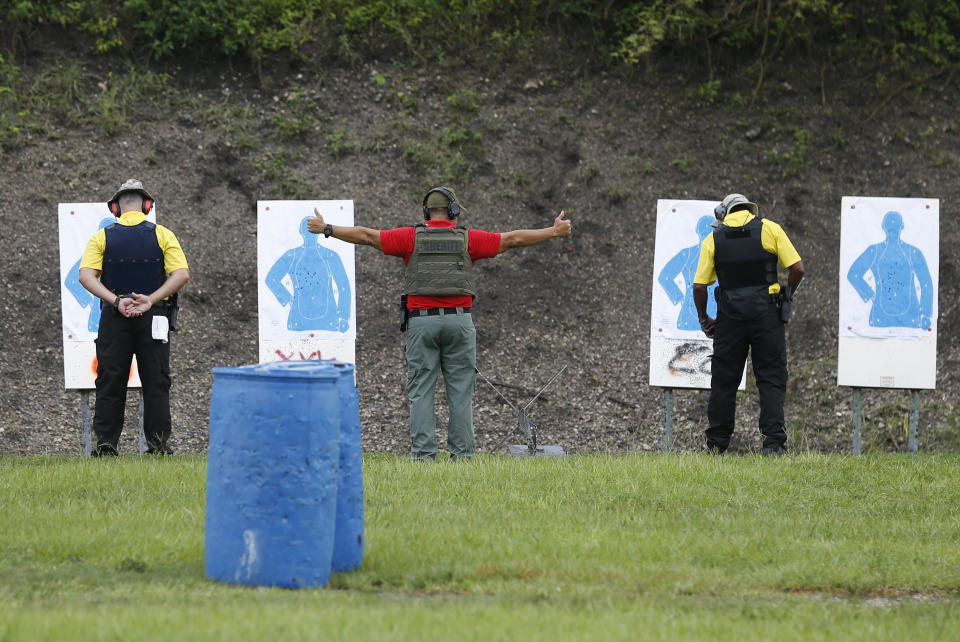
<point x="681" y="228"/>
<point x="680" y="352"/>
<point x="889" y="277"/>
<point x="306" y="285"/>
<point x="160" y="328"/>
<point x="77" y="222"/>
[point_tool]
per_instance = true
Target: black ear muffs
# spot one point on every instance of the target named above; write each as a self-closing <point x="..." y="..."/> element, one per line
<point x="147" y="206"/>
<point x="453" y="208"/>
<point x="113" y="207"/>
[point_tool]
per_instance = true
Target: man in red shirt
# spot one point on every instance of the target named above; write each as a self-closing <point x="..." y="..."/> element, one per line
<point x="439" y="284"/>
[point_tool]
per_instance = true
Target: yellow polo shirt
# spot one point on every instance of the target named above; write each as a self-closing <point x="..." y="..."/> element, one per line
<point x="173" y="257"/>
<point x="772" y="237"/>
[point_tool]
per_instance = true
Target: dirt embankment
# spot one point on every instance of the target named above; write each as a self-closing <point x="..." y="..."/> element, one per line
<point x="518" y="145"/>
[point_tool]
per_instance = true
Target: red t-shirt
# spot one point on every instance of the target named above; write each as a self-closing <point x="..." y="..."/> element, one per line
<point x="400" y="241"/>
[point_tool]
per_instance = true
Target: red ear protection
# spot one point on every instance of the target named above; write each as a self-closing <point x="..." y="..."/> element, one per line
<point x="145" y="208"/>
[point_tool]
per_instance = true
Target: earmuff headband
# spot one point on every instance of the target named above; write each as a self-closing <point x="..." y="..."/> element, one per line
<point x="453" y="208"/>
<point x="147" y="205"/>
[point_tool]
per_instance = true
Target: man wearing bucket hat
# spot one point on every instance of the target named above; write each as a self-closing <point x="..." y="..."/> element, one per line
<point x="742" y="254"/>
<point x="439" y="287"/>
<point x="135" y="268"/>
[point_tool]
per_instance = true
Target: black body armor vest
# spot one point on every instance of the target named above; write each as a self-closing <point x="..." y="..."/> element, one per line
<point x="745" y="270"/>
<point x="132" y="259"/>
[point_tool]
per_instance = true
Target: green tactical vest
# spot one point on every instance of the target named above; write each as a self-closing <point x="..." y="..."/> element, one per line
<point x="440" y="264"/>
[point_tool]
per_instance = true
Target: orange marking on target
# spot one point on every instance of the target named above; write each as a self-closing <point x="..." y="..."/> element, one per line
<point x="94" y="364"/>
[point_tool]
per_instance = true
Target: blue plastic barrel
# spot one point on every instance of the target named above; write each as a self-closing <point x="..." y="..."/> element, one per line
<point x="348" y="536"/>
<point x="348" y="530"/>
<point x="272" y="475"/>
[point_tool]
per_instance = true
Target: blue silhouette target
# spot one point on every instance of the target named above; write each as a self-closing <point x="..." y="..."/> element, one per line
<point x="889" y="252"/>
<point x="78" y="292"/>
<point x="684" y="265"/>
<point x="902" y="290"/>
<point x="321" y="298"/>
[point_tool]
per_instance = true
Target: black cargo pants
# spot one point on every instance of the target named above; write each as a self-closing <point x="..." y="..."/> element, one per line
<point x="118" y="340"/>
<point x="764" y="338"/>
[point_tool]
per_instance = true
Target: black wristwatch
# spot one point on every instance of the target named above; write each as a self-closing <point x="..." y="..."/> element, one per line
<point x="327" y="230"/>
<point x="116" y="303"/>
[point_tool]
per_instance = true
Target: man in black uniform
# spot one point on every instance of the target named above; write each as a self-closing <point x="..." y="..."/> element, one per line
<point x="752" y="309"/>
<point x="134" y="267"/>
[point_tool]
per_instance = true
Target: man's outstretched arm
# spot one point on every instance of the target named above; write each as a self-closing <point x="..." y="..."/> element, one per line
<point x="523" y="238"/>
<point x="355" y="235"/>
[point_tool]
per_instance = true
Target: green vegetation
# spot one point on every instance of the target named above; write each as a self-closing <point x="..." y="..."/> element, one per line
<point x="585" y="547"/>
<point x="295" y="119"/>
<point x="890" y="40"/>
<point x="121" y="94"/>
<point x="895" y="33"/>
<point x="432" y="158"/>
<point x="466" y="101"/>
<point x="618" y="192"/>
<point x="792" y="154"/>
<point x="65" y="94"/>
<point x="339" y="143"/>
<point x="276" y="169"/>
<point x="407" y="101"/>
<point x="707" y="92"/>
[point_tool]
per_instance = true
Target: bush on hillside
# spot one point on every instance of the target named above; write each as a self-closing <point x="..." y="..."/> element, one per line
<point x="618" y="31"/>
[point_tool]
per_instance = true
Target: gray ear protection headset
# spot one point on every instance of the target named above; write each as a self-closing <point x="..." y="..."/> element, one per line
<point x="731" y="201"/>
<point x="720" y="211"/>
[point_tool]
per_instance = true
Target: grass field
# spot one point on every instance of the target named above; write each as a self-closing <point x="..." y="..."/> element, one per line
<point x="593" y="547"/>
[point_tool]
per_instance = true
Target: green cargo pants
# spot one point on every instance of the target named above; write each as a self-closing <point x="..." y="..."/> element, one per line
<point x="446" y="342"/>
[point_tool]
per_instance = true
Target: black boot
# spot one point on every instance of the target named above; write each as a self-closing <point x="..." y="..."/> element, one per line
<point x="104" y="450"/>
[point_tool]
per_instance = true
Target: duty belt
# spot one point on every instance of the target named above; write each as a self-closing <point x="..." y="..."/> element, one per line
<point x="432" y="312"/>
